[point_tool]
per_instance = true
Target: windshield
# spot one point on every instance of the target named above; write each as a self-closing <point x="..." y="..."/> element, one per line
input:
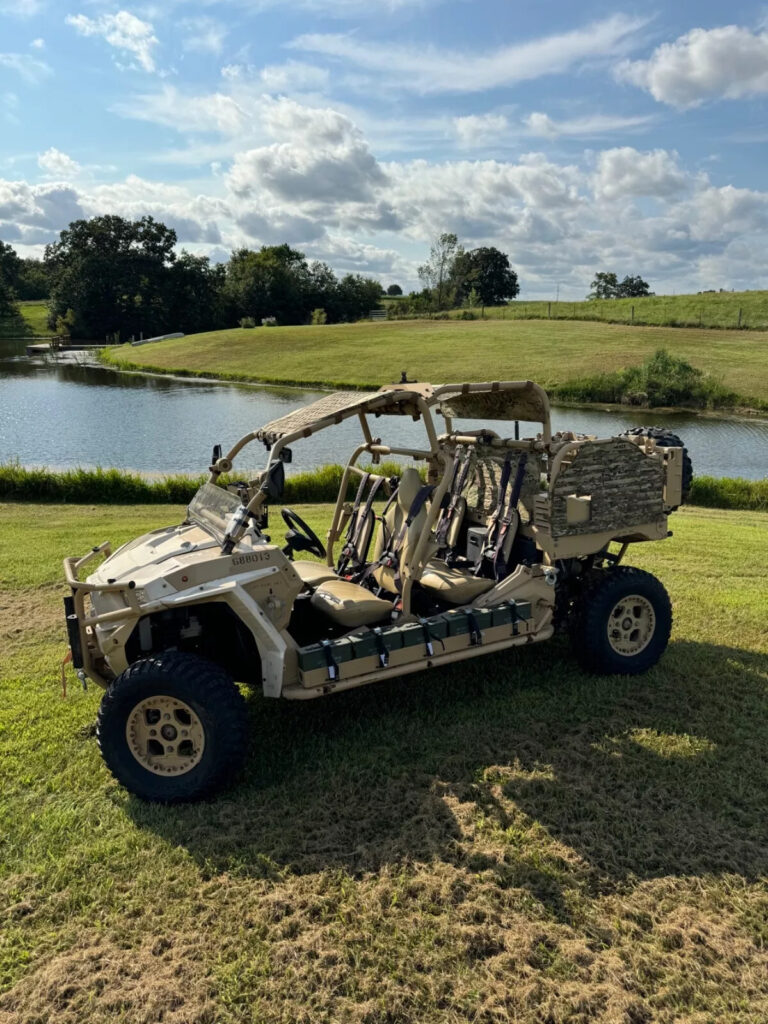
<point x="212" y="508"/>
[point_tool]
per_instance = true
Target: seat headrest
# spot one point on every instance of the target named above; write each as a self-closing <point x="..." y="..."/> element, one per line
<point x="410" y="485"/>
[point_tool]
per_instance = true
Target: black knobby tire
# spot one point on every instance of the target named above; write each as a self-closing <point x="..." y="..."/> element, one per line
<point x="630" y="642"/>
<point x="666" y="439"/>
<point x="212" y="701"/>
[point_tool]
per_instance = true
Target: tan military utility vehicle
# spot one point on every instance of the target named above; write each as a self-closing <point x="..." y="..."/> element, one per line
<point x="489" y="544"/>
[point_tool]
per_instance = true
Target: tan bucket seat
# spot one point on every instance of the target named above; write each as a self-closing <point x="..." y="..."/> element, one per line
<point x="455" y="586"/>
<point x="349" y="604"/>
<point x="410" y="485"/>
<point x="313" y="573"/>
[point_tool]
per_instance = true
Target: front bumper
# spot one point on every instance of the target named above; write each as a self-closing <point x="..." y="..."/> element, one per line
<point x="81" y="622"/>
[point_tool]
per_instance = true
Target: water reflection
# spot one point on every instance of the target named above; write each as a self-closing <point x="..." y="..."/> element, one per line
<point x="64" y="412"/>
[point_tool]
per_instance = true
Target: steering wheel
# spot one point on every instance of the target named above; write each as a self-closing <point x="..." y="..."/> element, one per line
<point x="300" y="537"/>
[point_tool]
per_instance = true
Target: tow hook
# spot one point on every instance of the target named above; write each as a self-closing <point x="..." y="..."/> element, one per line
<point x="78" y="672"/>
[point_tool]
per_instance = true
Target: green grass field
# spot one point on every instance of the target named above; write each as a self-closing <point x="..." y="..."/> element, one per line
<point x="722" y="310"/>
<point x="35" y="314"/>
<point x="372" y="354"/>
<point x="507" y="840"/>
<point x="31" y="322"/>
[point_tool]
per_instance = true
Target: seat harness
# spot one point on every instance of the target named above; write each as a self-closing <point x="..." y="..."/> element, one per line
<point x="492" y="562"/>
<point x="390" y="557"/>
<point x="351" y="553"/>
<point x="458" y="483"/>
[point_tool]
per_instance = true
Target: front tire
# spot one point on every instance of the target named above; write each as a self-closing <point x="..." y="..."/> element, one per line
<point x="172" y="727"/>
<point x="622" y="622"/>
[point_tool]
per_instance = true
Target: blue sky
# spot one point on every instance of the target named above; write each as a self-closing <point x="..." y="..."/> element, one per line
<point x="573" y="137"/>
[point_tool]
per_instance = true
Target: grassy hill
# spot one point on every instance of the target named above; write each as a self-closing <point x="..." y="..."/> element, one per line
<point x="730" y="310"/>
<point x="372" y="354"/>
<point x="30" y="322"/>
<point x="505" y="839"/>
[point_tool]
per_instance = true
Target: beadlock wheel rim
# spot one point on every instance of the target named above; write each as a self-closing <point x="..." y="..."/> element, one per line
<point x="165" y="735"/>
<point x="631" y="625"/>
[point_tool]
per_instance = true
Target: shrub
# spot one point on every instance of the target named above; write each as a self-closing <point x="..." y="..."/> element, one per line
<point x="269" y="321"/>
<point x="467" y="314"/>
<point x="247" y="321"/>
<point x="661" y="380"/>
<point x="319" y="316"/>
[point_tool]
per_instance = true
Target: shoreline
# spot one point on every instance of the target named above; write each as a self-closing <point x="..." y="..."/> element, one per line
<point x="742" y="413"/>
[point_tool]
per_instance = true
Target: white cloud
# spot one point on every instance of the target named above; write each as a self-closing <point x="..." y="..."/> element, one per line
<point x="28" y="211"/>
<point x="293" y="76"/>
<point x="319" y="186"/>
<point x="31" y="69"/>
<point x="718" y="63"/>
<point x="209" y="112"/>
<point x="478" y="128"/>
<point x="591" y="126"/>
<point x="21" y="8"/>
<point x="57" y="164"/>
<point x="9" y="104"/>
<point x="124" y="31"/>
<point x="431" y="70"/>
<point x="203" y="35"/>
<point x="625" y="172"/>
<point x="37" y="44"/>
<point x="325" y="158"/>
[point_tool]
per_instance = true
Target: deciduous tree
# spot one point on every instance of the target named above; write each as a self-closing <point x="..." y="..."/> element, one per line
<point x="632" y="288"/>
<point x="10" y="266"/>
<point x="604" y="286"/>
<point x="486" y="271"/>
<point x="113" y="274"/>
<point x="437" y="272"/>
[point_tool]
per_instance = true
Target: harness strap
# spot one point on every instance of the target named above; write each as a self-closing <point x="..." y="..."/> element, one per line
<point x="475" y="633"/>
<point x="489" y="541"/>
<point x="428" y="638"/>
<point x="357" y="524"/>
<point x="391" y="558"/>
<point x="499" y="561"/>
<point x="457" y="486"/>
<point x="381" y="647"/>
<point x="333" y="666"/>
<point x="390" y="555"/>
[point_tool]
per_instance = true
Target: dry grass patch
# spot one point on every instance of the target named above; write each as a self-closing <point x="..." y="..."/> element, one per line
<point x="100" y="982"/>
<point x="503" y="841"/>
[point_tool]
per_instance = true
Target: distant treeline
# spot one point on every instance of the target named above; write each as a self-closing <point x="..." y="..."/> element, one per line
<point x="111" y="278"/>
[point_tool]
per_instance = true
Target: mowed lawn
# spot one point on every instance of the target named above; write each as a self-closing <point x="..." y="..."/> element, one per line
<point x="719" y="309"/>
<point x="371" y="354"/>
<point x="506" y="840"/>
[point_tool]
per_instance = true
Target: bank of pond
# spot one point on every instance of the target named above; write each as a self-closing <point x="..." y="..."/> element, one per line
<point x="118" y="487"/>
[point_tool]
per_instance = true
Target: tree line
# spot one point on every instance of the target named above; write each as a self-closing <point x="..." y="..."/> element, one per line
<point x="607" y="285"/>
<point x="109" y="277"/>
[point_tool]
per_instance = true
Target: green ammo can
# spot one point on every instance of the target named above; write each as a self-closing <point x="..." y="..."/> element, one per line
<point x="325" y="655"/>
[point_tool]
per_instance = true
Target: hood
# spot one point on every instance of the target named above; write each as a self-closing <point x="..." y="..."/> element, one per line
<point x="154" y="554"/>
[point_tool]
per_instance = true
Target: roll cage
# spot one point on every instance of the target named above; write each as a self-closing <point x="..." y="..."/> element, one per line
<point x="498" y="400"/>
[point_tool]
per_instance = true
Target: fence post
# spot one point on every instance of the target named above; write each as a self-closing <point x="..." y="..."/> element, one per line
<point x="700" y="316"/>
<point x="739" y="323"/>
<point x="633" y="315"/>
<point x="549" y="311"/>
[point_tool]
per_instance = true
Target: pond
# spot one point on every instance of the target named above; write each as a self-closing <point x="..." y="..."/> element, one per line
<point x="64" y="412"/>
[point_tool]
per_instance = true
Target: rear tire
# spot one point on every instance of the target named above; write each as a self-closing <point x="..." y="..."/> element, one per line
<point x="666" y="439"/>
<point x="622" y="622"/>
<point x="172" y="727"/>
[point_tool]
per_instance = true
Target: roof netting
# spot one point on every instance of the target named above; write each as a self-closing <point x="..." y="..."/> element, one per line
<point x="329" y="409"/>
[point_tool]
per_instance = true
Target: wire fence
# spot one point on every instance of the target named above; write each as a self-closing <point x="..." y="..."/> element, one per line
<point x="683" y="311"/>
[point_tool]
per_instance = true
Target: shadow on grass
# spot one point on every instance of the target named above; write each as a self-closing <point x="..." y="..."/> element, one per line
<point x="577" y="780"/>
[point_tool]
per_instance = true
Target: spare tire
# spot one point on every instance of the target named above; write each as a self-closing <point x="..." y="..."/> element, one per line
<point x="667" y="439"/>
